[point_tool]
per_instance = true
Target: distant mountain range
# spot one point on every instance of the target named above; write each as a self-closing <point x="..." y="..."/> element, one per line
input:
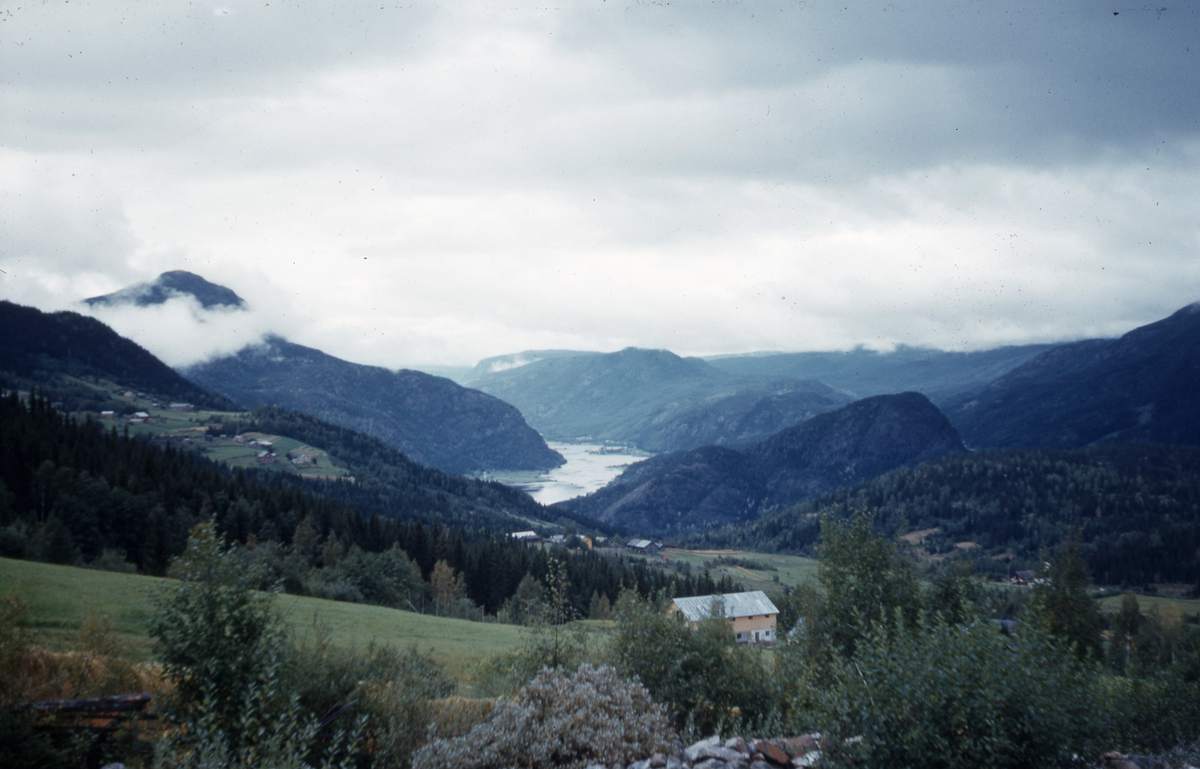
<point x="431" y="419"/>
<point x="652" y="399"/>
<point x="658" y="401"/>
<point x="170" y="285"/>
<point x="741" y="435"/>
<point x="712" y="486"/>
<point x="860" y="373"/>
<point x="78" y="359"/>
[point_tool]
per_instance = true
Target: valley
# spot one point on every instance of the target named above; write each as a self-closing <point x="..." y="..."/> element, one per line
<point x="741" y="452"/>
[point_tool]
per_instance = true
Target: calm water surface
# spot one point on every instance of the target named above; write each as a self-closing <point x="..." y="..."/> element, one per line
<point x="589" y="466"/>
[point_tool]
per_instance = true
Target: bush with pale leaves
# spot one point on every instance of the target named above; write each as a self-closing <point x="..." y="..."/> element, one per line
<point x="560" y="720"/>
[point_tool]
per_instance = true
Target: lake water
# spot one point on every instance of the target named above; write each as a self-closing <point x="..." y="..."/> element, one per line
<point x="589" y="466"/>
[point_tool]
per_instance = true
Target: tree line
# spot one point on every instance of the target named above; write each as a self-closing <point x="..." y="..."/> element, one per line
<point x="77" y="492"/>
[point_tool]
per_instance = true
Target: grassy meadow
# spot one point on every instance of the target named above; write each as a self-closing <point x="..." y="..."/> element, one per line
<point x="1159" y="603"/>
<point x="189" y="427"/>
<point x="791" y="570"/>
<point x="61" y="596"/>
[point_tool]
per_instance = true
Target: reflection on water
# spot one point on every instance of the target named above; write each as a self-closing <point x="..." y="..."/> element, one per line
<point x="589" y="466"/>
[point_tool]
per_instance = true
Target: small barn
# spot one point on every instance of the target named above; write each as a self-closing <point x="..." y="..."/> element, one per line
<point x="644" y="546"/>
<point x="752" y="613"/>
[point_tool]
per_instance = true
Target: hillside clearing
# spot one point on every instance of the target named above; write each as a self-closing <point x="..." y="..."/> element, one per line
<point x="61" y="595"/>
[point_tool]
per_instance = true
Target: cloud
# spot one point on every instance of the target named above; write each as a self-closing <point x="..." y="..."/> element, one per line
<point x="433" y="184"/>
<point x="180" y="332"/>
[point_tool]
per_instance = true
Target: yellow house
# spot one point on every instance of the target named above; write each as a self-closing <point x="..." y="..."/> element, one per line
<point x="752" y="613"/>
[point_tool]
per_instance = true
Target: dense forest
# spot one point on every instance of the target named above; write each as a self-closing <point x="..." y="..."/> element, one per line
<point x="1135" y="508"/>
<point x="72" y="491"/>
<point x="391" y="484"/>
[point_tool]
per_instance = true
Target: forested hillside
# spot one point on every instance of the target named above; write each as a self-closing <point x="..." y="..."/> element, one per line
<point x="71" y="490"/>
<point x="431" y="419"/>
<point x="1143" y="387"/>
<point x="1135" y="508"/>
<point x="78" y="358"/>
<point x="389" y="483"/>
<point x="713" y="486"/>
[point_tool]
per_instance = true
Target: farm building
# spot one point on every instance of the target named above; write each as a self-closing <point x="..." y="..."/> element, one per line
<point x="753" y="615"/>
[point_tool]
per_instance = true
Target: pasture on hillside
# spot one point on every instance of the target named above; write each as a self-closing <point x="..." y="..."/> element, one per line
<point x="60" y="597"/>
<point x="755" y="571"/>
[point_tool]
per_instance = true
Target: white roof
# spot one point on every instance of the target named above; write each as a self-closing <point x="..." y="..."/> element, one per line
<point x="751" y="604"/>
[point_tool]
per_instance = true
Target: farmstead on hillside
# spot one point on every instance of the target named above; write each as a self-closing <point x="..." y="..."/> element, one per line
<point x="752" y="613"/>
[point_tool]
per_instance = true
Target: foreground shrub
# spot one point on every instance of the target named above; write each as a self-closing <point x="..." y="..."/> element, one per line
<point x="455" y="716"/>
<point x="559" y="720"/>
<point x="715" y="683"/>
<point x="265" y="735"/>
<point x="943" y="695"/>
<point x="237" y="684"/>
<point x="398" y="707"/>
<point x="1154" y="715"/>
<point x="215" y="635"/>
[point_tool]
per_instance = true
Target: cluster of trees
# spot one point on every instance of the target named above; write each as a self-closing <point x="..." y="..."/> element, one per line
<point x="72" y="491"/>
<point x="1134" y="507"/>
<point x="897" y="669"/>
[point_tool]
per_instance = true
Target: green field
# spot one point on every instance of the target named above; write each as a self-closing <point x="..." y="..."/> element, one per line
<point x="791" y="570"/>
<point x="187" y="429"/>
<point x="61" y="595"/>
<point x="1186" y="606"/>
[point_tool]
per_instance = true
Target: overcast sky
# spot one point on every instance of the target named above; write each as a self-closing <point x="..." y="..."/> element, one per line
<point x="424" y="183"/>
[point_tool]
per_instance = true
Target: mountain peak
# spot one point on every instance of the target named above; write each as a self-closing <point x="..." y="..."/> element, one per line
<point x="167" y="286"/>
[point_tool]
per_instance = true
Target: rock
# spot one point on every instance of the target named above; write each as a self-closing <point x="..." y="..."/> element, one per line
<point x="798" y="746"/>
<point x="658" y="761"/>
<point x="711" y="763"/>
<point x="693" y="751"/>
<point x="596" y="766"/>
<point x="773" y="753"/>
<point x="808" y="760"/>
<point x="738" y="744"/>
<point x="643" y="764"/>
<point x="727" y="755"/>
<point x="675" y="762"/>
<point x="760" y="765"/>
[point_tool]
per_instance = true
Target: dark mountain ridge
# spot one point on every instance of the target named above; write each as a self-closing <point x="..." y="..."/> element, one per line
<point x="431" y="419"/>
<point x="1141" y="388"/>
<point x="69" y="355"/>
<point x="714" y="486"/>
<point x="1134" y="507"/>
<point x="167" y="286"/>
